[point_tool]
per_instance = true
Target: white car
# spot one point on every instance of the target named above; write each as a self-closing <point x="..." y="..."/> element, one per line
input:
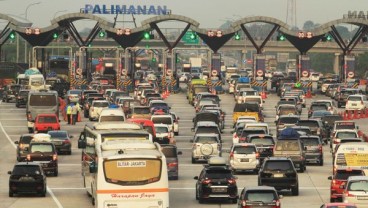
<point x="314" y="77"/>
<point x="176" y="123"/>
<point x="356" y="102"/>
<point x="164" y="135"/>
<point x="244" y="157"/>
<point x="356" y="191"/>
<point x="343" y="134"/>
<point x="205" y="146"/>
<point x="96" y="108"/>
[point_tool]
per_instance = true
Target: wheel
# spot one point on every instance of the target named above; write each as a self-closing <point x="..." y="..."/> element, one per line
<point x="93" y="201"/>
<point x="295" y="191"/>
<point x="85" y="115"/>
<point x="256" y="171"/>
<point x="30" y="130"/>
<point x="301" y="169"/>
<point x="11" y="194"/>
<point x="332" y="200"/>
<point x="90" y="119"/>
<point x="321" y="162"/>
<point x="7" y="100"/>
<point x="43" y="194"/>
<point x="193" y="160"/>
<point x="201" y="200"/>
<point x="176" y="133"/>
<point x="70" y="152"/>
<point x="56" y="172"/>
<point x="234" y="201"/>
<point x="17" y="105"/>
<point x="196" y="195"/>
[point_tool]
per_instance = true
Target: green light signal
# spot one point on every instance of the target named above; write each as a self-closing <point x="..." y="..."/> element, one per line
<point x="154" y="59"/>
<point x="237" y="36"/>
<point x="146" y="35"/>
<point x="281" y="37"/>
<point x="328" y="38"/>
<point x="101" y="34"/>
<point x="55" y="35"/>
<point x="12" y="35"/>
<point x="298" y="85"/>
<point x="193" y="36"/>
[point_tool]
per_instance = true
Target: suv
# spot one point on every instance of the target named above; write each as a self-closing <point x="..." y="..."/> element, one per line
<point x="27" y="177"/>
<point x="42" y="150"/>
<point x="96" y="108"/>
<point x="279" y="172"/>
<point x="292" y="148"/>
<point x="314" y="150"/>
<point x="339" y="179"/>
<point x="22" y="98"/>
<point x="216" y="181"/>
<point x="259" y="196"/>
<point x="244" y="156"/>
<point x="356" y="191"/>
<point x="46" y="122"/>
<point x="264" y="144"/>
<point x="205" y="146"/>
<point x="171" y="153"/>
<point x="23" y="143"/>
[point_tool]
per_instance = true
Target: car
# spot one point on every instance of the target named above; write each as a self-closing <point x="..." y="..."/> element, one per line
<point x="42" y="150"/>
<point x="313" y="149"/>
<point x="171" y="153"/>
<point x="73" y="95"/>
<point x="207" y="127"/>
<point x="316" y="127"/>
<point x="46" y="122"/>
<point x="205" y="146"/>
<point x="356" y="102"/>
<point x="95" y="109"/>
<point x="315" y="107"/>
<point x="244" y="157"/>
<point x="62" y="141"/>
<point x="164" y="134"/>
<point x="23" y="142"/>
<point x="216" y="181"/>
<point x="343" y="134"/>
<point x="21" y="98"/>
<point x="338" y="205"/>
<point x="11" y="92"/>
<point x="339" y="178"/>
<point x="286" y="121"/>
<point x="259" y="196"/>
<point x="87" y="104"/>
<point x="331" y="106"/>
<point x="280" y="173"/>
<point x="176" y="123"/>
<point x="356" y="191"/>
<point x="27" y="177"/>
<point x="264" y="143"/>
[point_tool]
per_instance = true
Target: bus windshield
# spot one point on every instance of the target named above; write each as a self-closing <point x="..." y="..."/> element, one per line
<point x="132" y="171"/>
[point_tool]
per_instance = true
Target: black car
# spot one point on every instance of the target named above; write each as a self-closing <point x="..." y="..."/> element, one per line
<point x="45" y="153"/>
<point x="11" y="92"/>
<point x="279" y="172"/>
<point x="259" y="196"/>
<point x="27" y="177"/>
<point x="171" y="153"/>
<point x="216" y="181"/>
<point x="22" y="98"/>
<point x="23" y="142"/>
<point x="62" y="141"/>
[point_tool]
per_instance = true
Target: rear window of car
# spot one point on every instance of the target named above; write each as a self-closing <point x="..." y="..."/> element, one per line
<point x="319" y="107"/>
<point x="345" y="174"/>
<point x="100" y="104"/>
<point x="169" y="151"/>
<point x="354" y="98"/>
<point x="207" y="129"/>
<point x="218" y="174"/>
<point x="361" y="185"/>
<point x="246" y="132"/>
<point x="25" y="139"/>
<point x="163" y="120"/>
<point x="288" y="120"/>
<point x="206" y="139"/>
<point x="287" y="145"/>
<point x="263" y="141"/>
<point x="346" y="135"/>
<point x="58" y="134"/>
<point x="47" y="119"/>
<point x="278" y="165"/>
<point x="263" y="196"/>
<point x="26" y="169"/>
<point x="244" y="150"/>
<point x="42" y="148"/>
<point x="141" y="111"/>
<point x="309" y="123"/>
<point x="310" y="141"/>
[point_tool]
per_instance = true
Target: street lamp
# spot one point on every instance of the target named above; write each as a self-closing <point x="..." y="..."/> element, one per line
<point x="25" y="42"/>
<point x="60" y="11"/>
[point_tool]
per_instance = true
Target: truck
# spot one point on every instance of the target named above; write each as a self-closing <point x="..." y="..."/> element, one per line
<point x="195" y="63"/>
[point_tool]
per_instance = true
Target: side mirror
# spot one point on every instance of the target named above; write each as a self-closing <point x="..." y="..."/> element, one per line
<point x="16" y="142"/>
<point x="180" y="153"/>
<point x="329" y="177"/>
<point x="9" y="172"/>
<point x="195" y="178"/>
<point x="93" y="167"/>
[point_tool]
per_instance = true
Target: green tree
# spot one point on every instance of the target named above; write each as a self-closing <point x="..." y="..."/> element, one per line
<point x="322" y="62"/>
<point x="361" y="64"/>
<point x="308" y="25"/>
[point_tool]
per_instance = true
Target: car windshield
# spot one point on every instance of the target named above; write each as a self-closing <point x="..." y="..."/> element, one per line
<point x="345" y="174"/>
<point x="206" y="139"/>
<point x="47" y="119"/>
<point x="26" y="169"/>
<point x="244" y="150"/>
<point x="169" y="151"/>
<point x="260" y="196"/>
<point x="41" y="148"/>
<point x="58" y="134"/>
<point x="278" y="165"/>
<point x="288" y="120"/>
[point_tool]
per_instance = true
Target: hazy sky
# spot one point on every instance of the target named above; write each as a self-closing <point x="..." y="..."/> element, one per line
<point x="209" y="13"/>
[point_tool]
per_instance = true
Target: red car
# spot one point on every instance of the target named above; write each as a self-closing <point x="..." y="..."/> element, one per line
<point x="45" y="123"/>
<point x="146" y="123"/>
<point x="339" y="179"/>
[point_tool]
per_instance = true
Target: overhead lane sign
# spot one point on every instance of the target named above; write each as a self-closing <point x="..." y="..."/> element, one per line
<point x="125" y="9"/>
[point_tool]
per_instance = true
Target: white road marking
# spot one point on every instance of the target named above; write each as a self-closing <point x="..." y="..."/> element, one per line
<point x="48" y="189"/>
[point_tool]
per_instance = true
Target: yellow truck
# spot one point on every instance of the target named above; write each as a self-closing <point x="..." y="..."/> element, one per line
<point x="247" y="109"/>
<point x="196" y="86"/>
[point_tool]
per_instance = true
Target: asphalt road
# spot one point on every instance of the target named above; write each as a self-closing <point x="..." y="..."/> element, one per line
<point x="66" y="190"/>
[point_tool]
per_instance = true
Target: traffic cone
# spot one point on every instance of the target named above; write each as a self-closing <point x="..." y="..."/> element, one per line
<point x="309" y="94"/>
<point x="345" y="116"/>
<point x="356" y="114"/>
<point x="79" y="119"/>
<point x="349" y="115"/>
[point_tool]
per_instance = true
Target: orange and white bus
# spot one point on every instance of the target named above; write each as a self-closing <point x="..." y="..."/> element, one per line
<point x="123" y="168"/>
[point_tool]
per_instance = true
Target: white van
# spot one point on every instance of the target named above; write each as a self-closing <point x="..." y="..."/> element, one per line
<point x="352" y="154"/>
<point x="36" y="82"/>
<point x="112" y="115"/>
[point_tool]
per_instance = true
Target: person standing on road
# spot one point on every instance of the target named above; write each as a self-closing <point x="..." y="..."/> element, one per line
<point x="69" y="113"/>
<point x="74" y="114"/>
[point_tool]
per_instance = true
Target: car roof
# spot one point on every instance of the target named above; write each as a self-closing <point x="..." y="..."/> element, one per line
<point x="351" y="178"/>
<point x="278" y="158"/>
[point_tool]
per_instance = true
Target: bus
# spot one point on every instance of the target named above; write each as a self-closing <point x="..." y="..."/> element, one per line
<point x="123" y="167"/>
<point x="41" y="101"/>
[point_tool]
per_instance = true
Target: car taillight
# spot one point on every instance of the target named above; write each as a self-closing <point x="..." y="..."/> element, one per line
<point x="335" y="141"/>
<point x="320" y="148"/>
<point x="231" y="181"/>
<point x="66" y="142"/>
<point x="277" y="204"/>
<point x="172" y="164"/>
<point x="347" y="193"/>
<point x="54" y="157"/>
<point x="257" y="155"/>
<point x="206" y="181"/>
<point x="333" y="182"/>
<point x="29" y="157"/>
<point x="242" y="139"/>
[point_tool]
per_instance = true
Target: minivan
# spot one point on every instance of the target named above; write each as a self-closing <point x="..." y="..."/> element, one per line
<point x="292" y="148"/>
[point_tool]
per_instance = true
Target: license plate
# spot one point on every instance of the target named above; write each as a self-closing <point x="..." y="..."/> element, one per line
<point x="217" y="190"/>
<point x="244" y="160"/>
<point x="278" y="175"/>
<point x="354" y="104"/>
<point x="26" y="179"/>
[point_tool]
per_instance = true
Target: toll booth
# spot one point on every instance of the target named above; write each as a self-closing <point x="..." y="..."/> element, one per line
<point x="216" y="77"/>
<point x="304" y="68"/>
<point x="259" y="82"/>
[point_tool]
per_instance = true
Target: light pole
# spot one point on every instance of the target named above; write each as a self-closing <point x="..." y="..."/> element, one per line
<point x="25" y="42"/>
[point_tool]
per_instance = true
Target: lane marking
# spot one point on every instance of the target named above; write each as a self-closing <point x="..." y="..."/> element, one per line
<point x="47" y="187"/>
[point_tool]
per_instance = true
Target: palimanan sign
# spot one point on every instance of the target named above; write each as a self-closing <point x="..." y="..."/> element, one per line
<point x="356" y="14"/>
<point x="125" y="9"/>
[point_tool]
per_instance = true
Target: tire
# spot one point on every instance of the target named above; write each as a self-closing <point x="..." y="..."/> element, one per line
<point x="332" y="200"/>
<point x="30" y="130"/>
<point x="43" y="194"/>
<point x="11" y="194"/>
<point x="321" y="162"/>
<point x="295" y="191"/>
<point x="85" y="115"/>
<point x="56" y="172"/>
<point x="234" y="201"/>
<point x="196" y="195"/>
<point x="90" y="119"/>
<point x="17" y="105"/>
<point x="70" y="152"/>
<point x="200" y="200"/>
<point x="193" y="161"/>
<point x="301" y="169"/>
<point x="176" y="133"/>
